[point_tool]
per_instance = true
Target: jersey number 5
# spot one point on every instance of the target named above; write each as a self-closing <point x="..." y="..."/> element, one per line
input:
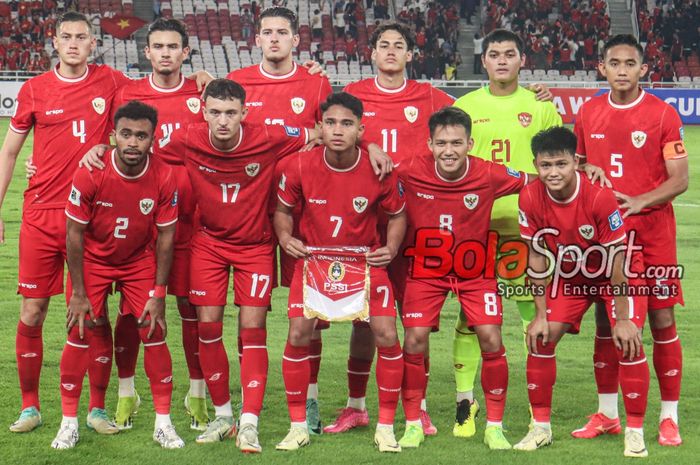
<point x="616" y="163"/>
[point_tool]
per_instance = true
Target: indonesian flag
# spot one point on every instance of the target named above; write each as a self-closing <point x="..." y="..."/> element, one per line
<point x="121" y="26"/>
<point x="336" y="284"/>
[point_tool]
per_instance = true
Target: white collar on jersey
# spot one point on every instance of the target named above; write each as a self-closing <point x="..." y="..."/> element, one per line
<point x="573" y="196"/>
<point x="240" y="139"/>
<point x="629" y="105"/>
<point x="275" y="76"/>
<point x="390" y="91"/>
<point x="359" y="156"/>
<point x="163" y="90"/>
<point x="65" y="79"/>
<point x="116" y="168"/>
<point x="437" y="173"/>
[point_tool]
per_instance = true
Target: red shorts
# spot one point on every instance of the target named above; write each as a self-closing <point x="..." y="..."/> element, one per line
<point x="381" y="298"/>
<point x="656" y="233"/>
<point x="568" y="308"/>
<point x="134" y="281"/>
<point x="424" y="299"/>
<point x="210" y="265"/>
<point x="179" y="279"/>
<point x="42" y="253"/>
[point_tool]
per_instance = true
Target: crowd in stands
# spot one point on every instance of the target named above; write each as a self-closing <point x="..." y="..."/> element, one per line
<point x="563" y="35"/>
<point x="670" y="33"/>
<point x="24" y="29"/>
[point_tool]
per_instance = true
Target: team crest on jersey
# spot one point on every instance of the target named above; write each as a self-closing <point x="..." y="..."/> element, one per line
<point x="298" y="105"/>
<point x="471" y="201"/>
<point x="360" y="204"/>
<point x="586" y="231"/>
<point x="525" y="119"/>
<point x="194" y="104"/>
<point x="638" y="138"/>
<point x="146" y="205"/>
<point x="252" y="169"/>
<point x="411" y="113"/>
<point x="336" y="271"/>
<point x="98" y="103"/>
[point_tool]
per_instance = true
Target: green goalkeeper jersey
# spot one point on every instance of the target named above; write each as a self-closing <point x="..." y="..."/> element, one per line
<point x="502" y="128"/>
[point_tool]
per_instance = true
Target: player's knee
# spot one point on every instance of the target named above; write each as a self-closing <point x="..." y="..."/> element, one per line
<point x="490" y="341"/>
<point x="414" y="342"/>
<point x="33" y="311"/>
<point x="385" y="335"/>
<point x="299" y="336"/>
<point x="661" y="318"/>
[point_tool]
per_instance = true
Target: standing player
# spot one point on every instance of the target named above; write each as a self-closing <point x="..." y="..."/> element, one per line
<point x="396" y="112"/>
<point x="177" y="101"/>
<point x="506" y="117"/>
<point x="69" y="108"/>
<point x="638" y="140"/>
<point x="231" y="165"/>
<point x="451" y="193"/>
<point x="563" y="217"/>
<point x="111" y="217"/>
<point x="353" y="211"/>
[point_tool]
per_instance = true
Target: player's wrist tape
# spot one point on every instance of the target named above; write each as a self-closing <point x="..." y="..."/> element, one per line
<point x="158" y="292"/>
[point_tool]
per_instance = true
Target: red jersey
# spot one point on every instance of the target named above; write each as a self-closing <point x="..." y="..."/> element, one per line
<point x="340" y="207"/>
<point x="590" y="217"/>
<point x="630" y="142"/>
<point x="122" y="211"/>
<point x="397" y="119"/>
<point x="293" y="99"/>
<point x="69" y="117"/>
<point x="232" y="188"/>
<point x="177" y="108"/>
<point x="461" y="206"/>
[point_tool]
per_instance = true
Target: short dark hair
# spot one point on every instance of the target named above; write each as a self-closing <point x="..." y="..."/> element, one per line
<point x="280" y="12"/>
<point x="554" y="140"/>
<point x="502" y="35"/>
<point x="450" y="116"/>
<point x="136" y="110"/>
<point x="346" y="100"/>
<point x="623" y="39"/>
<point x="73" y="17"/>
<point x="168" y="24"/>
<point x="393" y="26"/>
<point x="224" y="89"/>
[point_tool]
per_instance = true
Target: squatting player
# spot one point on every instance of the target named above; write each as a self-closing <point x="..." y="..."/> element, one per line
<point x="505" y="117"/>
<point x="231" y="164"/>
<point x="69" y="108"/>
<point x="450" y="194"/>
<point x="354" y="212"/>
<point x="112" y="214"/>
<point x="638" y="140"/>
<point x="562" y="217"/>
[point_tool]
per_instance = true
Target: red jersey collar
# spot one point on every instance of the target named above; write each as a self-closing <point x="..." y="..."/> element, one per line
<point x="573" y="196"/>
<point x="642" y="93"/>
<point x="163" y="90"/>
<point x="116" y="168"/>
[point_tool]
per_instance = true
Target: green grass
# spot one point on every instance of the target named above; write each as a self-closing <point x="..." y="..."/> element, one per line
<point x="574" y="397"/>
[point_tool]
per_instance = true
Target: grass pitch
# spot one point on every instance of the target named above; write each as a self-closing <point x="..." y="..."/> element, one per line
<point x="574" y="395"/>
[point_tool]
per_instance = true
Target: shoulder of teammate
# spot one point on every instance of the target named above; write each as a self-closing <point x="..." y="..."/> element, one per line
<point x="358" y="88"/>
<point x="289" y="186"/>
<point x="79" y="202"/>
<point x="441" y="98"/>
<point x="120" y="79"/>
<point x="241" y="74"/>
<point x="392" y="199"/>
<point x="167" y="207"/>
<point x="469" y="98"/>
<point x="285" y="140"/>
<point x="529" y="209"/>
<point x="503" y="179"/>
<point x="23" y="119"/>
<point x="604" y="209"/>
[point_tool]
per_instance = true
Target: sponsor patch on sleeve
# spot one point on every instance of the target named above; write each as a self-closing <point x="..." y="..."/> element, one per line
<point x="514" y="173"/>
<point x="615" y="220"/>
<point x="292" y="131"/>
<point x="74" y="196"/>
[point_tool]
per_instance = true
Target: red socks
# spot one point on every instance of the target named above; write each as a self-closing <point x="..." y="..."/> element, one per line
<point x="100" y="368"/>
<point x="295" y="371"/>
<point x="29" y="348"/>
<point x="426" y="368"/>
<point x="389" y="377"/>
<point x="358" y="375"/>
<point x="159" y="369"/>
<point x="413" y="385"/>
<point x="254" y="364"/>
<point x="494" y="382"/>
<point x="541" y="375"/>
<point x="214" y="362"/>
<point x="126" y="345"/>
<point x="668" y="362"/>
<point x="634" y="381"/>
<point x="605" y="362"/>
<point x="75" y="360"/>
<point x="190" y="339"/>
<point x="315" y="359"/>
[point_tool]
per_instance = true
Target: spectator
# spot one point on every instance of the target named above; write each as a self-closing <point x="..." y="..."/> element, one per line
<point x="246" y="24"/>
<point x="350" y="48"/>
<point x="478" y="50"/>
<point x="316" y="25"/>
